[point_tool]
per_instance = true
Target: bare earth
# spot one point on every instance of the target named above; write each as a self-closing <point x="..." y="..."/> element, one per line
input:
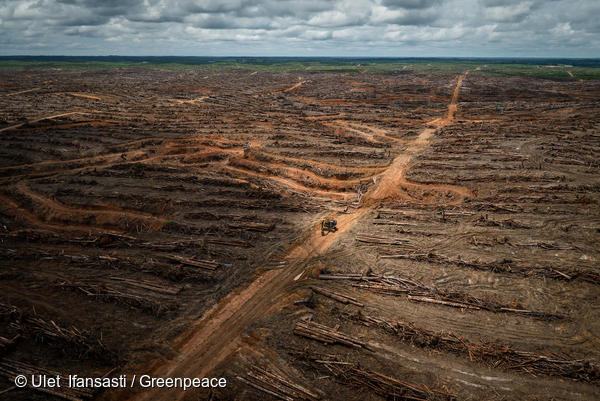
<point x="168" y="223"/>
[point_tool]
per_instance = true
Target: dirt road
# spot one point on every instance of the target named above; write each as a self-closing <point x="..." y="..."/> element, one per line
<point x="217" y="334"/>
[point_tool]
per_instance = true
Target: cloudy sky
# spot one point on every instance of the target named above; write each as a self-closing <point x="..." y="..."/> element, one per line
<point x="390" y="28"/>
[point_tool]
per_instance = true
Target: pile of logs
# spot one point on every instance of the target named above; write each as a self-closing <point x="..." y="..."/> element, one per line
<point x="390" y="388"/>
<point x="143" y="294"/>
<point x="417" y="292"/>
<point x="491" y="353"/>
<point x="558" y="273"/>
<point x="479" y="240"/>
<point x="326" y="334"/>
<point x="387" y="280"/>
<point x="276" y="385"/>
<point x="203" y="264"/>
<point x="386" y="386"/>
<point x="50" y="331"/>
<point x="11" y="369"/>
<point x="149" y="285"/>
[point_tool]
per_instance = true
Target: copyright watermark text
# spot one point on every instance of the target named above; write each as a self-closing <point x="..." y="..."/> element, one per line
<point x="122" y="381"/>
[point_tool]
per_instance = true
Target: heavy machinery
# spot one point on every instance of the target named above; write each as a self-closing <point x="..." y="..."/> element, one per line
<point x="328" y="226"/>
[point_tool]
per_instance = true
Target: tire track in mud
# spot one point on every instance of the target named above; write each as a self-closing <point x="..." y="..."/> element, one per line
<point x="216" y="335"/>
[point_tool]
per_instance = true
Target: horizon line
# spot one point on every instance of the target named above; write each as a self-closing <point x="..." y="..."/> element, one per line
<point x="321" y="57"/>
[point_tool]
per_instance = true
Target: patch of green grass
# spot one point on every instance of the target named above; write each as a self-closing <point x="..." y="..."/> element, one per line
<point x="558" y="73"/>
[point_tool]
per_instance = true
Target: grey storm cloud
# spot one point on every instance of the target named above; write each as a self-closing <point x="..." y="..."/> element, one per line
<point x="410" y="4"/>
<point x="394" y="28"/>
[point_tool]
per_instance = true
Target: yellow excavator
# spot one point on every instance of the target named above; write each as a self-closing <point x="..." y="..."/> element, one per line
<point x="328" y="226"/>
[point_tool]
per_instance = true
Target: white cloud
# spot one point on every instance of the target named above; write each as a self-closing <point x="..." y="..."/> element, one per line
<point x="309" y="27"/>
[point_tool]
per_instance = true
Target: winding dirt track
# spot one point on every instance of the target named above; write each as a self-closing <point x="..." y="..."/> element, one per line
<point x="217" y="334"/>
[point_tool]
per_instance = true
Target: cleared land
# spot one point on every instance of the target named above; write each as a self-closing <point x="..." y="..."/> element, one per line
<point x="168" y="222"/>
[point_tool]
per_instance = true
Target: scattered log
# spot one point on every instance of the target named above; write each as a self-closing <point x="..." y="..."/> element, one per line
<point x="462" y="213"/>
<point x="150" y="285"/>
<point x="277" y="386"/>
<point x="275" y="265"/>
<point x="393" y="388"/>
<point x="250" y="226"/>
<point x="69" y="335"/>
<point x="229" y="242"/>
<point x="383" y="289"/>
<point x="370" y="239"/>
<point x="266" y="390"/>
<point x="203" y="264"/>
<point x="397" y="211"/>
<point x="150" y="298"/>
<point x="442" y="302"/>
<point x="326" y="334"/>
<point x="392" y="223"/>
<point x="544" y="245"/>
<point x="389" y="280"/>
<point x="345" y="299"/>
